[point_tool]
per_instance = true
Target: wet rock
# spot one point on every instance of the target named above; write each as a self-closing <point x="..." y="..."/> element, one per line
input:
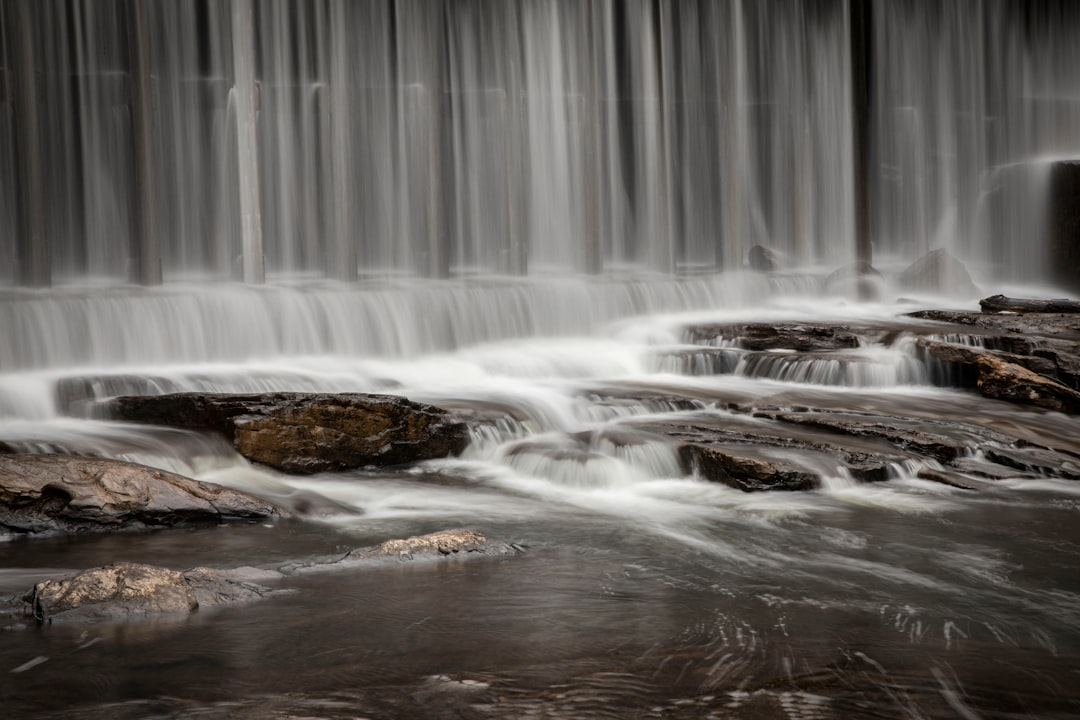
<point x="779" y="336"/>
<point x="866" y="458"/>
<point x="75" y="395"/>
<point x="1001" y="303"/>
<point x="50" y="493"/>
<point x="1047" y="344"/>
<point x="859" y="280"/>
<point x="743" y="469"/>
<point x="131" y="590"/>
<point x="763" y="259"/>
<point x="1007" y="381"/>
<point x="1059" y="326"/>
<point x="308" y="432"/>
<point x="916" y="436"/>
<point x="940" y="273"/>
<point x="961" y="362"/>
<point x="445" y="544"/>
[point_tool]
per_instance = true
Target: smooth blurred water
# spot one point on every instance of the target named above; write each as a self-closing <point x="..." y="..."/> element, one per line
<point x="645" y="591"/>
<point x="514" y="210"/>
<point x="193" y="139"/>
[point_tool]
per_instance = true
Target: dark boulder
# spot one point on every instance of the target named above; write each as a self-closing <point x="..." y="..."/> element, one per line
<point x="308" y="432"/>
<point x="50" y="493"/>
<point x="131" y="591"/>
<point x="744" y="469"/>
<point x="940" y="273"/>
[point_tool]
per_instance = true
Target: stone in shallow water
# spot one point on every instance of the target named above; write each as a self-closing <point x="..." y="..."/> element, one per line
<point x="133" y="590"/>
<point x="455" y="543"/>
<point x="62" y="493"/>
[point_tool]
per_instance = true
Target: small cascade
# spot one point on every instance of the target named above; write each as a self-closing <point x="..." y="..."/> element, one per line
<point x="864" y="367"/>
<point x="234" y="322"/>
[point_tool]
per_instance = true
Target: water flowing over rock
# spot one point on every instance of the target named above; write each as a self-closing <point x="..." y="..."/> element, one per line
<point x="308" y="432"/>
<point x="764" y="259"/>
<point x="1009" y="381"/>
<point x="859" y="279"/>
<point x="940" y="273"/>
<point x="744" y="470"/>
<point x="779" y="336"/>
<point x="132" y="591"/>
<point x="50" y="493"/>
<point x="1021" y="352"/>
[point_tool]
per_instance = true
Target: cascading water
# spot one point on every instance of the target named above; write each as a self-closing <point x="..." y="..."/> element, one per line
<point x="539" y="215"/>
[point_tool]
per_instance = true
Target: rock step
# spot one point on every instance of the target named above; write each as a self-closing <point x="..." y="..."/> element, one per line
<point x="307" y="432"/>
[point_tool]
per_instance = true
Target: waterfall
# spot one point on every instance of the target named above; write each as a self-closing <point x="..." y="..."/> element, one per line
<point x="343" y="139"/>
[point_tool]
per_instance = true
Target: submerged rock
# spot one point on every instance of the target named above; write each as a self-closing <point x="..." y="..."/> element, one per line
<point x="308" y="432"/>
<point x="132" y="590"/>
<point x="49" y="493"/>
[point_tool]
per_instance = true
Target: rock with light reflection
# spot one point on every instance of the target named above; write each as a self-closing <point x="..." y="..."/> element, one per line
<point x="308" y="432"/>
<point x="132" y="591"/>
<point x="457" y="543"/>
<point x="62" y="493"/>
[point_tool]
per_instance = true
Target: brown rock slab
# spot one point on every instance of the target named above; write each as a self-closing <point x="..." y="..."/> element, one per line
<point x="743" y="469"/>
<point x="50" y="493"/>
<point x="308" y="432"/>
<point x="1007" y="381"/>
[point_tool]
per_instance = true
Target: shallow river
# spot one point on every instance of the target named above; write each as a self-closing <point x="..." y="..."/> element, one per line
<point x="642" y="591"/>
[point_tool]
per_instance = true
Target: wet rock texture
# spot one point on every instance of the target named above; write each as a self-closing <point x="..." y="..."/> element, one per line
<point x="131" y="590"/>
<point x="803" y="337"/>
<point x="1025" y="352"/>
<point x="444" y="544"/>
<point x="62" y="493"/>
<point x="1028" y="351"/>
<point x="308" y="432"/>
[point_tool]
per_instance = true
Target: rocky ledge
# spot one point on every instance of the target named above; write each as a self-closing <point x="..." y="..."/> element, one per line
<point x="307" y="432"/>
<point x="62" y="493"/>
